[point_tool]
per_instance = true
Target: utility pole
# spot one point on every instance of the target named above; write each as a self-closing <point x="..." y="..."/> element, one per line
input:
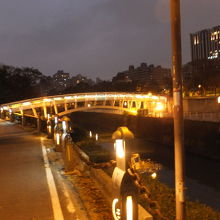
<point x="178" y="109"/>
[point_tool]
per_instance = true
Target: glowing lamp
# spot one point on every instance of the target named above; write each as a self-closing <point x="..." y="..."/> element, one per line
<point x="64" y="126"/>
<point x="49" y="129"/>
<point x="159" y="106"/>
<point x="57" y="98"/>
<point x="90" y="134"/>
<point x="219" y="99"/>
<point x="129" y="208"/>
<point x="154" y="175"/>
<point x="26" y="103"/>
<point x="47" y="100"/>
<point x="115" y="211"/>
<point x="56" y="120"/>
<point x="37" y="102"/>
<point x="58" y="138"/>
<point x="96" y="137"/>
<point x="68" y="97"/>
<point x="119" y="147"/>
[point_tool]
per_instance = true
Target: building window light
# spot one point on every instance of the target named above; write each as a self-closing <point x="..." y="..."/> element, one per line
<point x="196" y="40"/>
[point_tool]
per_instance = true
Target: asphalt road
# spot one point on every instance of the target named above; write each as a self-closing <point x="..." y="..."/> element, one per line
<point x="29" y="188"/>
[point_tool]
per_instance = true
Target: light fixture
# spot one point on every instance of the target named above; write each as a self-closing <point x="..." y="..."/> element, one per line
<point x="119" y="145"/>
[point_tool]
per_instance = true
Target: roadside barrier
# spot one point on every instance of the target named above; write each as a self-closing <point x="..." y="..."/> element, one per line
<point x="126" y="180"/>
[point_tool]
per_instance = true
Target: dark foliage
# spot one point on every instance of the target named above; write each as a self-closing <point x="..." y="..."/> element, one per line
<point x="19" y="83"/>
<point x="78" y="134"/>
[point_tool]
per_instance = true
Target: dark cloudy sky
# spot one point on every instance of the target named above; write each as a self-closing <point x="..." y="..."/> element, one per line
<point x="96" y="37"/>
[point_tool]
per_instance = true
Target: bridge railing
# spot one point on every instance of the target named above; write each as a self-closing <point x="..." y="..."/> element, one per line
<point x="68" y="103"/>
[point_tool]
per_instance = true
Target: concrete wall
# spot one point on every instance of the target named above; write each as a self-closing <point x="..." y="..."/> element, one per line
<point x="201" y="104"/>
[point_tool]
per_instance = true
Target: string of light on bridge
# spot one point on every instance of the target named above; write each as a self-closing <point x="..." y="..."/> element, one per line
<point x="82" y="97"/>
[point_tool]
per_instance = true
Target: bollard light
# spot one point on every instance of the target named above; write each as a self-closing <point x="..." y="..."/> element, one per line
<point x="49" y="129"/>
<point x="123" y="186"/>
<point x="129" y="208"/>
<point x="154" y="175"/>
<point x="121" y="138"/>
<point x="116" y="211"/>
<point x="56" y="120"/>
<point x="96" y="137"/>
<point x="64" y="126"/>
<point x="90" y="134"/>
<point x="119" y="148"/>
<point x="58" y="138"/>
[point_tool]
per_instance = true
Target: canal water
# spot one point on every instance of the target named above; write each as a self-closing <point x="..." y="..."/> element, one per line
<point x="202" y="174"/>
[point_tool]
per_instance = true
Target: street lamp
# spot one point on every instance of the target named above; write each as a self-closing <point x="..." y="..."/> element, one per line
<point x="177" y="108"/>
<point x="201" y="87"/>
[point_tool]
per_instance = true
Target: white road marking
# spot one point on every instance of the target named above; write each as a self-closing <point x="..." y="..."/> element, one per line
<point x="57" y="211"/>
<point x="70" y="206"/>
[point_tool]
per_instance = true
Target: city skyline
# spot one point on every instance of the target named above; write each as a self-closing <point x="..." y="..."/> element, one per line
<point x="96" y="39"/>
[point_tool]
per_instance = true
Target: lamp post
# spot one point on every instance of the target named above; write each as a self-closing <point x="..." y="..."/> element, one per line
<point x="124" y="188"/>
<point x="177" y="108"/>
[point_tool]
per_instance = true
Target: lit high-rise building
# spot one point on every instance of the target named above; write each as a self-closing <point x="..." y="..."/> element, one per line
<point x="205" y="44"/>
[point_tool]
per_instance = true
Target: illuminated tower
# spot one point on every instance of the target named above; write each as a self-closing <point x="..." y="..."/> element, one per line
<point x="205" y="44"/>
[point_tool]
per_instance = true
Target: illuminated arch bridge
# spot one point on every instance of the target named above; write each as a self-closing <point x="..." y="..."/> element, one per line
<point x="60" y="105"/>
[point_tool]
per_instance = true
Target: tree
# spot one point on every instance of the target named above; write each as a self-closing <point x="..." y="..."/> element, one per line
<point x="18" y="83"/>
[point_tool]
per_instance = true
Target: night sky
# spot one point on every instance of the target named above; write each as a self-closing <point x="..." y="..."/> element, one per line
<point x="96" y="38"/>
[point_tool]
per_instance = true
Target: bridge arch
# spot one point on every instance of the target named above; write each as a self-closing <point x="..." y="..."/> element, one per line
<point x="60" y="105"/>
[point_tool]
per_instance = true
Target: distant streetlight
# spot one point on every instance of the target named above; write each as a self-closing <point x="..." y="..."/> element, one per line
<point x="96" y="137"/>
<point x="90" y="134"/>
<point x="201" y="87"/>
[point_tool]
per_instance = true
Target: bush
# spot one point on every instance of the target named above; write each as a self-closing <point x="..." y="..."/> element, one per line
<point x="95" y="151"/>
<point x="165" y="196"/>
<point x="78" y="134"/>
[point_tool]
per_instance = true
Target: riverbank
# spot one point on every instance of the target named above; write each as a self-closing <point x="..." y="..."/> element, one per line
<point x="201" y="138"/>
<point x="202" y="172"/>
<point x="163" y="192"/>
